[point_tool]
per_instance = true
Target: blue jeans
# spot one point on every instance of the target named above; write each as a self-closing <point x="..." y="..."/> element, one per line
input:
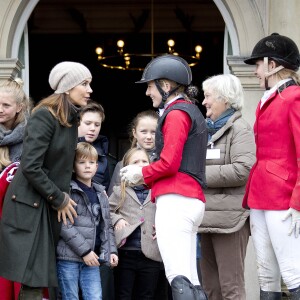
<point x="72" y="275"/>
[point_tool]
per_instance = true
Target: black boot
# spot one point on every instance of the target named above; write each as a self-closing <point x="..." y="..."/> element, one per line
<point x="295" y="294"/>
<point x="183" y="289"/>
<point x="30" y="293"/>
<point x="200" y="293"/>
<point x="270" y="295"/>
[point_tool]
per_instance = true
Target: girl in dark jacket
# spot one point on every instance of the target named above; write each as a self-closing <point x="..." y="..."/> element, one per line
<point x="142" y="135"/>
<point x="14" y="112"/>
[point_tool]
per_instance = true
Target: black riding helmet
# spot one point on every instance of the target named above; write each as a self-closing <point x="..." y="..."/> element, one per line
<point x="279" y="48"/>
<point x="169" y="67"/>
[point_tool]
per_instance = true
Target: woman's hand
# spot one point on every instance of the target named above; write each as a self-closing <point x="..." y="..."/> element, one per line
<point x="67" y="212"/>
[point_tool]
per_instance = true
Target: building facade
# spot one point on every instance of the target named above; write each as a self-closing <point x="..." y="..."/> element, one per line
<point x="246" y="21"/>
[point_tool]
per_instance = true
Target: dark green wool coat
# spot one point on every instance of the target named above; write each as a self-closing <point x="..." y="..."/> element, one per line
<point x="29" y="228"/>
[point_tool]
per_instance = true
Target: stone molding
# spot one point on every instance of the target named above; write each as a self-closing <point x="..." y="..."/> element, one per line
<point x="10" y="68"/>
<point x="243" y="71"/>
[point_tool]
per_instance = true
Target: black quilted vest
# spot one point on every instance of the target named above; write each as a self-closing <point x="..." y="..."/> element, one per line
<point x="194" y="151"/>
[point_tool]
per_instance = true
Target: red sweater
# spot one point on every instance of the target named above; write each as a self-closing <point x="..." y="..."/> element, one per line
<point x="163" y="176"/>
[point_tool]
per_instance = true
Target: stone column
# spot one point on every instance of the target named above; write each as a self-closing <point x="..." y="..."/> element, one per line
<point x="250" y="83"/>
<point x="253" y="94"/>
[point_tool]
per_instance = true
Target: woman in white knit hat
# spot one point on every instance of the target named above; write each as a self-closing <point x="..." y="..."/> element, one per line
<point x="37" y="200"/>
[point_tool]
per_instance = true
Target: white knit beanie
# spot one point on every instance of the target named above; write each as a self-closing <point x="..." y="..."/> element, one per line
<point x="66" y="75"/>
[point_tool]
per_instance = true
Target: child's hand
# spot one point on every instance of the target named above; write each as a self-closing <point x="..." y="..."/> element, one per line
<point x="114" y="260"/>
<point x="121" y="224"/>
<point x="91" y="259"/>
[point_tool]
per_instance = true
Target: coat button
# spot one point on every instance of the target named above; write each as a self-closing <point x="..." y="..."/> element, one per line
<point x="144" y="231"/>
<point x="50" y="198"/>
<point x="13" y="197"/>
<point x="35" y="204"/>
<point x="141" y="207"/>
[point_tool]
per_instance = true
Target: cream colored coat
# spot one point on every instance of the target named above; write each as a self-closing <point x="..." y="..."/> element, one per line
<point x="136" y="214"/>
<point x="226" y="177"/>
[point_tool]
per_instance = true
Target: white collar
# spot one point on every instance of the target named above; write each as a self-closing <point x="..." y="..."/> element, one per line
<point x="161" y="110"/>
<point x="269" y="92"/>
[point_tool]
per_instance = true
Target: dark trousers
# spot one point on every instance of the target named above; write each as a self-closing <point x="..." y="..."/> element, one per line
<point x="222" y="264"/>
<point x="107" y="283"/>
<point x="162" y="288"/>
<point x="137" y="276"/>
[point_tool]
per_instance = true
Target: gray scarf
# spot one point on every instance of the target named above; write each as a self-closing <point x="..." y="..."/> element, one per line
<point x="13" y="139"/>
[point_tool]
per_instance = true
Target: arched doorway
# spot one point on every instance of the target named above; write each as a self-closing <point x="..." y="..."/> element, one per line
<point x="244" y="30"/>
<point x="72" y="30"/>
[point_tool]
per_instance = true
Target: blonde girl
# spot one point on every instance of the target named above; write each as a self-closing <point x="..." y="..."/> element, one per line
<point x="133" y="215"/>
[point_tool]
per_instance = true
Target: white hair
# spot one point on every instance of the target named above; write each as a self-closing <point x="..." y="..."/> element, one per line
<point x="227" y="88"/>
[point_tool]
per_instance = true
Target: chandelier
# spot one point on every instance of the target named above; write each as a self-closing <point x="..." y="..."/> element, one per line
<point x="138" y="61"/>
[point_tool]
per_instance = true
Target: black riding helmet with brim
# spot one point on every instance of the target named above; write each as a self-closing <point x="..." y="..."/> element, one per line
<point x="170" y="67"/>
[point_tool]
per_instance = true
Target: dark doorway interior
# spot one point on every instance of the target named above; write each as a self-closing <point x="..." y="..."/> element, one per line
<point x="116" y="90"/>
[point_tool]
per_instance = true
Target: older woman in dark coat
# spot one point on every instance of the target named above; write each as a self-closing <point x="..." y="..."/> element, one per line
<point x="37" y="199"/>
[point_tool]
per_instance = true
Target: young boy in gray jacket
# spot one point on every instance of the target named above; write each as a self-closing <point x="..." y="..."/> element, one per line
<point x="90" y="241"/>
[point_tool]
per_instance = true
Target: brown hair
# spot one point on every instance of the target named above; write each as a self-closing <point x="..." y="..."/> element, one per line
<point x="134" y="123"/>
<point x="189" y="92"/>
<point x="59" y="106"/>
<point x="93" y="106"/>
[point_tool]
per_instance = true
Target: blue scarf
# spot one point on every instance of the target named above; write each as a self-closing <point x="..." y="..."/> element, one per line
<point x="213" y="127"/>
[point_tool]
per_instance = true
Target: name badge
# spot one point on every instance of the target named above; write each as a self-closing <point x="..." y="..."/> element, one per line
<point x="213" y="153"/>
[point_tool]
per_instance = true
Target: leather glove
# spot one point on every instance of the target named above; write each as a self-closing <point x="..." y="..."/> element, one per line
<point x="295" y="224"/>
<point x="132" y="175"/>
